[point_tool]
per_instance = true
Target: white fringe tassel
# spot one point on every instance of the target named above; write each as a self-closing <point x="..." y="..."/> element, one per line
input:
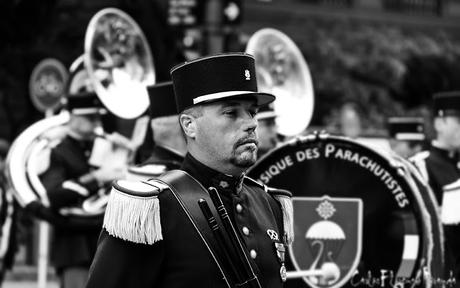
<point x="132" y="218"/>
<point x="288" y="217"/>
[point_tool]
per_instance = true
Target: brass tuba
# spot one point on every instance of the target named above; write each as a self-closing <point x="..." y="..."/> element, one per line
<point x="282" y="71"/>
<point x="117" y="59"/>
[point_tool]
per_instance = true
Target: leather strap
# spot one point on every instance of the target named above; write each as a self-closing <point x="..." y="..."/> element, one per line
<point x="187" y="191"/>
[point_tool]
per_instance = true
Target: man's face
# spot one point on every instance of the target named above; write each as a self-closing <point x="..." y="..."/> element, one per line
<point x="404" y="148"/>
<point x="267" y="132"/>
<point x="448" y="130"/>
<point x="85" y="125"/>
<point x="225" y="132"/>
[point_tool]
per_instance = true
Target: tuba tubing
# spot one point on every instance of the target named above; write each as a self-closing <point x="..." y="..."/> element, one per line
<point x="21" y="161"/>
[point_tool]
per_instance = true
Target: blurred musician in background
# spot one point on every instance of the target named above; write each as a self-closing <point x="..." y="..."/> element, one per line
<point x="173" y="245"/>
<point x="440" y="166"/>
<point x="8" y="243"/>
<point x="69" y="180"/>
<point x="267" y="131"/>
<point x="168" y="142"/>
<point x="406" y="135"/>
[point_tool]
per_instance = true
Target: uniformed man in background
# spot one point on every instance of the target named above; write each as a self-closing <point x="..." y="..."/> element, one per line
<point x="406" y="135"/>
<point x="69" y="180"/>
<point x="267" y="130"/>
<point x="154" y="232"/>
<point x="8" y="219"/>
<point x="168" y="142"/>
<point x="440" y="166"/>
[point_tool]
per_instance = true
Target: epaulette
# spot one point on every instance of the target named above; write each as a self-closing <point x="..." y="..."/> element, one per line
<point x="284" y="198"/>
<point x="145" y="172"/>
<point x="419" y="161"/>
<point x="420" y="156"/>
<point x="249" y="180"/>
<point x="133" y="212"/>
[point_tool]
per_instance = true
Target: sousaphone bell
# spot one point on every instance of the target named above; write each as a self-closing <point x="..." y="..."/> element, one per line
<point x="282" y="71"/>
<point x="118" y="65"/>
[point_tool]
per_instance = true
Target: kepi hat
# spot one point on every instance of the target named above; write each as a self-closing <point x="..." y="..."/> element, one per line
<point x="81" y="98"/>
<point x="447" y="103"/>
<point x="266" y="112"/>
<point x="215" y="78"/>
<point x="406" y="128"/>
<point x="162" y="100"/>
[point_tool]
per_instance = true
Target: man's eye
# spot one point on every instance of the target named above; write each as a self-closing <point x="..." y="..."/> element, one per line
<point x="230" y="112"/>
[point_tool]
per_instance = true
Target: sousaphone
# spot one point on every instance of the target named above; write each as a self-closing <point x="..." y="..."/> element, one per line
<point x="118" y="65"/>
<point x="282" y="71"/>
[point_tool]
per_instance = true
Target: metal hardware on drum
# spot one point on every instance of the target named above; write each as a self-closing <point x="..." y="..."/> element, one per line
<point x="251" y="278"/>
<point x="324" y="273"/>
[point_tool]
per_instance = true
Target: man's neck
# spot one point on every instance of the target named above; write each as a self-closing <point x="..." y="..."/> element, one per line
<point x="441" y="145"/>
<point x="224" y="168"/>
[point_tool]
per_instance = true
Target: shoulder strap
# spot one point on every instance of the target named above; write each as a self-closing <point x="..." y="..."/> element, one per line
<point x="187" y="192"/>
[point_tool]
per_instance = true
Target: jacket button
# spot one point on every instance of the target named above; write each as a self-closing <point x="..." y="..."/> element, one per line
<point x="239" y="208"/>
<point x="253" y="254"/>
<point x="245" y="230"/>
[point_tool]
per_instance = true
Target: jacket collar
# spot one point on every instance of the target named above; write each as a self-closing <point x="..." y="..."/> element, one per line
<point x="450" y="155"/>
<point x="209" y="177"/>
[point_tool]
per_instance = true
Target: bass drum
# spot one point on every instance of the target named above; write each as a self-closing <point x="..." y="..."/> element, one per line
<point x="358" y="213"/>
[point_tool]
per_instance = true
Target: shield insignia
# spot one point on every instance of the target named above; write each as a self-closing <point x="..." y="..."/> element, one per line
<point x="328" y="236"/>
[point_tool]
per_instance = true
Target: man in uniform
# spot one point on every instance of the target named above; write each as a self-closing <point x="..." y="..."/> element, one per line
<point x="406" y="135"/>
<point x="440" y="166"/>
<point x="266" y="130"/>
<point x="162" y="239"/>
<point x="168" y="142"/>
<point x="69" y="180"/>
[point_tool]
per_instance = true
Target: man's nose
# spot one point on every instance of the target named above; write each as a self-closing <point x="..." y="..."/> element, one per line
<point x="250" y="124"/>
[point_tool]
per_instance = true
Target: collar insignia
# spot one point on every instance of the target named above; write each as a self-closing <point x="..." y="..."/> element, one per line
<point x="273" y="235"/>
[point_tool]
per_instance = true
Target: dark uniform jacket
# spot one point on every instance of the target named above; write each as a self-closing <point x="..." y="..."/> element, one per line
<point x="69" y="161"/>
<point x="181" y="259"/>
<point x="441" y="169"/>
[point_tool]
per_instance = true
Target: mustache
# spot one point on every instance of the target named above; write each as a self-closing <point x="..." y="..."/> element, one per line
<point x="247" y="140"/>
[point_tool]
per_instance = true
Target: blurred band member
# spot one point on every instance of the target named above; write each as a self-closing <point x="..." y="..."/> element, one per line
<point x="169" y="146"/>
<point x="69" y="180"/>
<point x="8" y="241"/>
<point x="406" y="135"/>
<point x="267" y="130"/>
<point x="439" y="165"/>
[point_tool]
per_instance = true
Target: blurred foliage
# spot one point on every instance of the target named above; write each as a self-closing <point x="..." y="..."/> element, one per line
<point x="382" y="70"/>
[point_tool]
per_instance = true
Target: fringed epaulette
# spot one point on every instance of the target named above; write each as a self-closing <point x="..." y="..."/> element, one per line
<point x="284" y="198"/>
<point x="145" y="172"/>
<point x="133" y="212"/>
<point x="419" y="161"/>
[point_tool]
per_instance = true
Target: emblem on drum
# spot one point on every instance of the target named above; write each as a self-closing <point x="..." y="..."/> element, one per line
<point x="328" y="238"/>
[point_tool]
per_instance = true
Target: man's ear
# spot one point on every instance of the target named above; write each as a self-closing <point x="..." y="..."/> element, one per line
<point x="188" y="124"/>
<point x="438" y="124"/>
